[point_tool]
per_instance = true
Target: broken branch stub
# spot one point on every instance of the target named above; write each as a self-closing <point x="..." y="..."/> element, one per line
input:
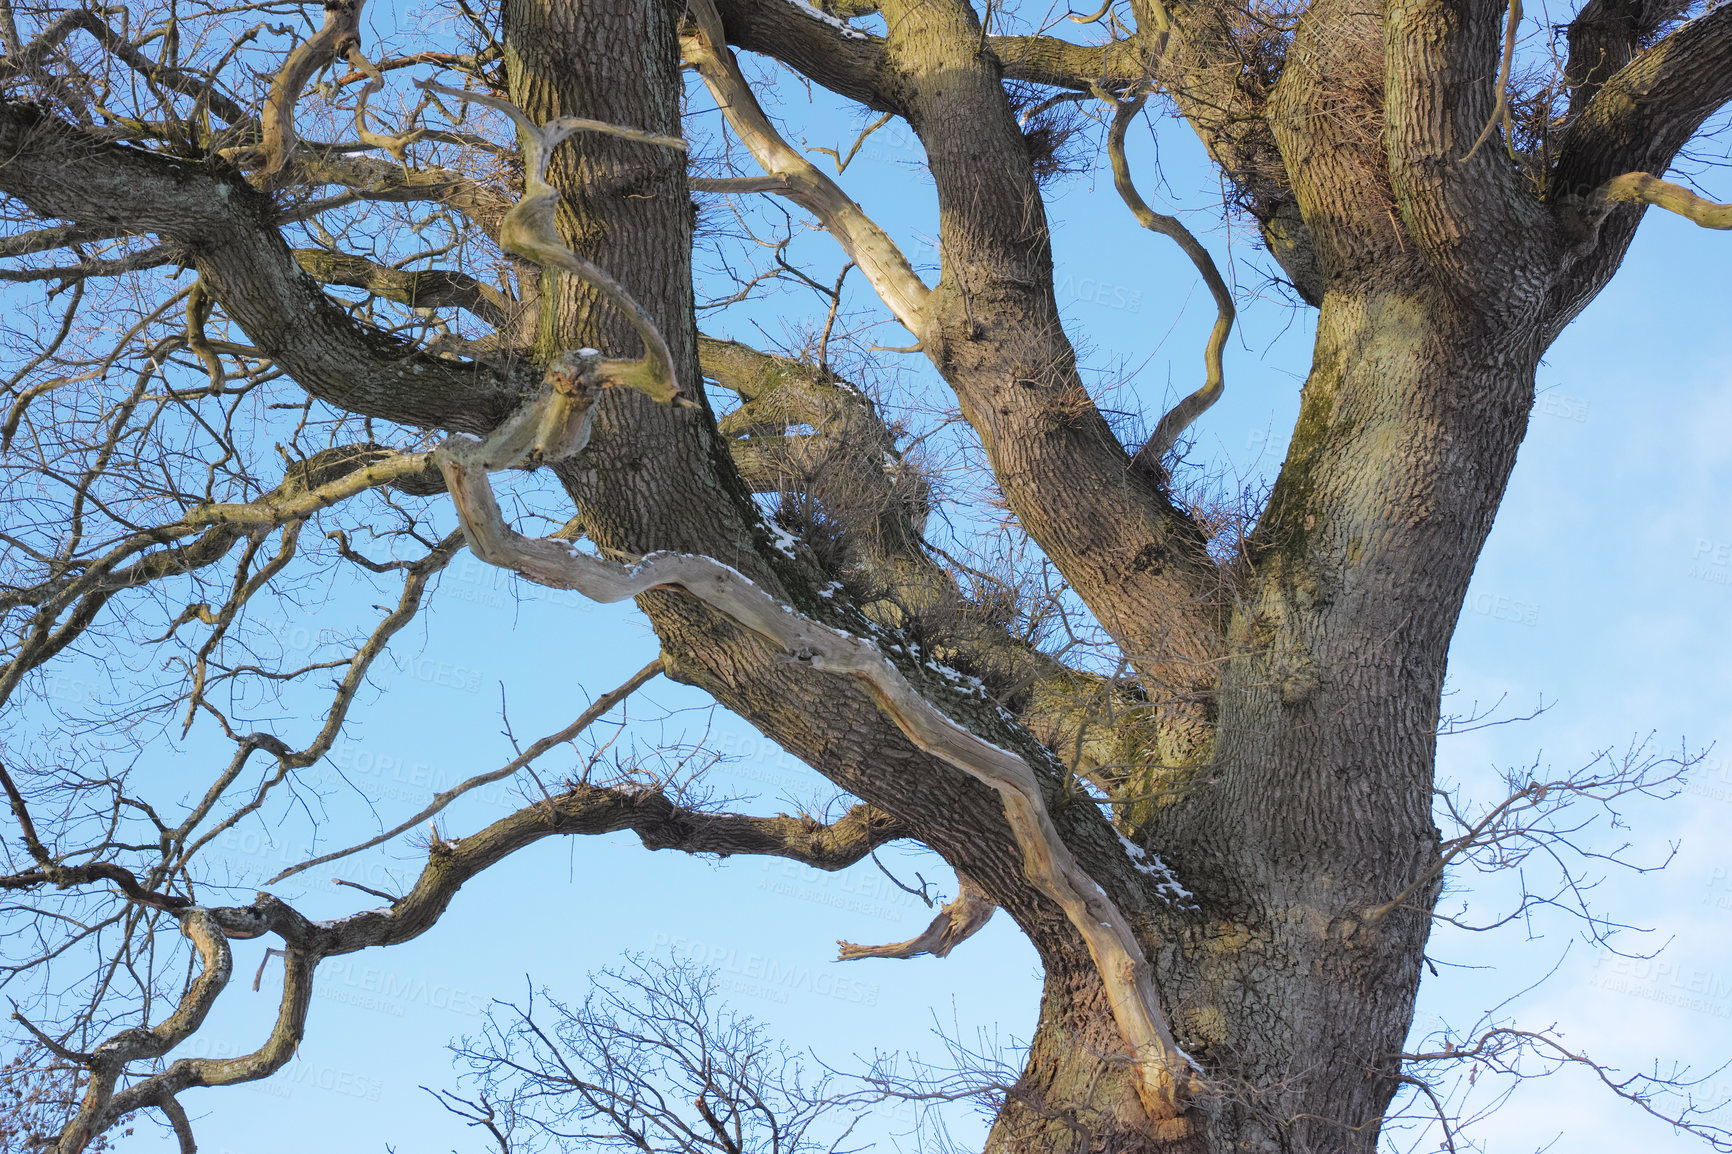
<point x="959" y="920"/>
<point x="1645" y="188"/>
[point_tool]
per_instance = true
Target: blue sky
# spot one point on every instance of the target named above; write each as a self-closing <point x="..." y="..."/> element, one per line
<point x="1605" y="591"/>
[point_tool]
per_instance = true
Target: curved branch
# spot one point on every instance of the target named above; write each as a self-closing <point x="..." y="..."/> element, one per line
<point x="529" y="231"/>
<point x="958" y="921"/>
<point x="101" y="1106"/>
<point x="1176" y="421"/>
<point x="342" y="29"/>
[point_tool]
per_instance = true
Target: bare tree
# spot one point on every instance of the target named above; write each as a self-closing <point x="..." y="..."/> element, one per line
<point x="296" y="317"/>
<point x="650" y="1061"/>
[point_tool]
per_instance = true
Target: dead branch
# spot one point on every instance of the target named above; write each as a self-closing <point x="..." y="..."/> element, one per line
<point x="959" y="920"/>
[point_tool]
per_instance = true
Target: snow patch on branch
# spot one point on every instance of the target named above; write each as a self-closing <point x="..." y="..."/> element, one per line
<point x="1151" y="865"/>
<point x="825" y="17"/>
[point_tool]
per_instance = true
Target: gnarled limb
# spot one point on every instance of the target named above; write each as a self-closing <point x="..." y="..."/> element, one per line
<point x="960" y="919"/>
<point x="417" y="288"/>
<point x="582" y="809"/>
<point x="867" y="245"/>
<point x="101" y="1106"/>
<point x="341" y="30"/>
<point x="1638" y="121"/>
<point x="1163" y="1077"/>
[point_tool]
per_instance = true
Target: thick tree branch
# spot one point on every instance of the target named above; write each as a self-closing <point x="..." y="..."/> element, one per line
<point x="61" y="171"/>
<point x="1648" y="110"/>
<point x="422" y="288"/>
<point x="853" y="66"/>
<point x="1604" y="37"/>
<point x="1116" y="65"/>
<point x="1464" y="209"/>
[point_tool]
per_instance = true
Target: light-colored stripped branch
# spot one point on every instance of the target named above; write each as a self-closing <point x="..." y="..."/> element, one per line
<point x="529" y="231"/>
<point x="886" y="269"/>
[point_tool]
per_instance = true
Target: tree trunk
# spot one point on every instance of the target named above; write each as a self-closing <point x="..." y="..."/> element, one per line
<point x="1076" y="1094"/>
<point x="1315" y="810"/>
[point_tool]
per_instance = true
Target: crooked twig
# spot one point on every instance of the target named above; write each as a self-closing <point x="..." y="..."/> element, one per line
<point x="598" y="709"/>
<point x="1179" y="418"/>
<point x="1500" y="113"/>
